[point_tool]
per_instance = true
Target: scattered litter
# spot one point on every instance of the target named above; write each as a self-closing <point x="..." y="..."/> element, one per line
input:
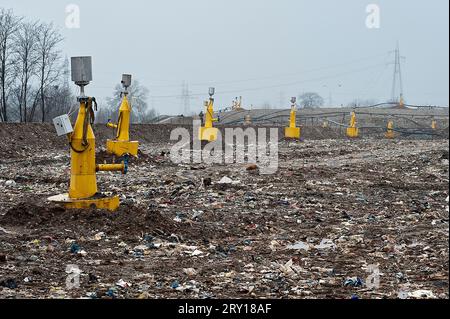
<point x="99" y="236"/>
<point x="421" y="294"/>
<point x="175" y="284"/>
<point x="123" y="284"/>
<point x="75" y="248"/>
<point x="332" y="208"/>
<point x="225" y="180"/>
<point x="299" y="246"/>
<point x="8" y="283"/>
<point x="190" y="271"/>
<point x="325" y="244"/>
<point x="10" y="183"/>
<point x="353" y="282"/>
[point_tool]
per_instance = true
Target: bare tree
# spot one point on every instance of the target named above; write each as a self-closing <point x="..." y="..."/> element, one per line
<point x="49" y="68"/>
<point x="8" y="26"/>
<point x="25" y="55"/>
<point x="310" y="100"/>
<point x="137" y="96"/>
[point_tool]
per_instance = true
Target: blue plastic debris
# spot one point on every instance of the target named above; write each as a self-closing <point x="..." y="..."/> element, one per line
<point x="175" y="284"/>
<point x="75" y="248"/>
<point x="353" y="282"/>
<point x="9" y="283"/>
<point x="112" y="292"/>
<point x="148" y="238"/>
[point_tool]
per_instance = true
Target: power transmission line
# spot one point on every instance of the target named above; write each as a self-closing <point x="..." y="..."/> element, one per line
<point x="185" y="97"/>
<point x="397" y="81"/>
<point x="310" y="70"/>
<point x="280" y="85"/>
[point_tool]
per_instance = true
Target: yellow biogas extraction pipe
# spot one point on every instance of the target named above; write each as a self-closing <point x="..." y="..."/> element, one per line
<point x="248" y="120"/>
<point x="112" y="167"/>
<point x="292" y="131"/>
<point x="83" y="191"/>
<point x="433" y="124"/>
<point x="390" y="130"/>
<point x="352" y="130"/>
<point x="83" y="182"/>
<point x="121" y="144"/>
<point x="208" y="132"/>
<point x="401" y="103"/>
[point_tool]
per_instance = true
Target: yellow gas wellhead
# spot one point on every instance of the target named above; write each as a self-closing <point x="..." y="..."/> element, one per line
<point x="208" y="132"/>
<point x="247" y="120"/>
<point x="401" y="103"/>
<point x="83" y="191"/>
<point x="122" y="145"/>
<point x="352" y="130"/>
<point x="390" y="130"/>
<point x="83" y="182"/>
<point x="433" y="124"/>
<point x="292" y="131"/>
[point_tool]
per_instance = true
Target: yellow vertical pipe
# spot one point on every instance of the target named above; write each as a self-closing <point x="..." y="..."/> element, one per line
<point x="209" y="116"/>
<point x="292" y="119"/>
<point x="433" y="124"/>
<point x="390" y="130"/>
<point x="123" y="126"/>
<point x="353" y="120"/>
<point x="83" y="182"/>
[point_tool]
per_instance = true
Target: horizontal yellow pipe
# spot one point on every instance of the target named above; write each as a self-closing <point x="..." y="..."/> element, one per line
<point x="111" y="167"/>
<point x="112" y="125"/>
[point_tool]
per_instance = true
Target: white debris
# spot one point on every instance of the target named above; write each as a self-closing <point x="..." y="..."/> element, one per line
<point x="123" y="284"/>
<point x="190" y="271"/>
<point x="325" y="244"/>
<point x="10" y="183"/>
<point x="299" y="246"/>
<point x="225" y="180"/>
<point x="421" y="294"/>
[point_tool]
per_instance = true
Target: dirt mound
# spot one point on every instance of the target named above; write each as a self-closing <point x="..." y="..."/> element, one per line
<point x="127" y="221"/>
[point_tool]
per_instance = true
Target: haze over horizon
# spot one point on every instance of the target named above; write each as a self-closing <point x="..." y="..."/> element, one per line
<point x="266" y="51"/>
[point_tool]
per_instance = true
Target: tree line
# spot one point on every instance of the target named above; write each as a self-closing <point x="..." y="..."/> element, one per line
<point x="33" y="75"/>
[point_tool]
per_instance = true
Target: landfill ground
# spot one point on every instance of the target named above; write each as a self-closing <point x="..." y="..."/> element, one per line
<point x="320" y="227"/>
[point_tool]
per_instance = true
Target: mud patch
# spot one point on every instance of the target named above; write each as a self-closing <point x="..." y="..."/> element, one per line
<point x="128" y="221"/>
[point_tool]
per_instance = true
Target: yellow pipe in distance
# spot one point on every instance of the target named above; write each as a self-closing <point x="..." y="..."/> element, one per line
<point x="292" y="132"/>
<point x="121" y="144"/>
<point x="390" y="130"/>
<point x="208" y="132"/>
<point x="433" y="124"/>
<point x="352" y="130"/>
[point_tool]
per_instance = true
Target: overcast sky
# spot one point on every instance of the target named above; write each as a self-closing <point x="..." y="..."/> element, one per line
<point x="264" y="50"/>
